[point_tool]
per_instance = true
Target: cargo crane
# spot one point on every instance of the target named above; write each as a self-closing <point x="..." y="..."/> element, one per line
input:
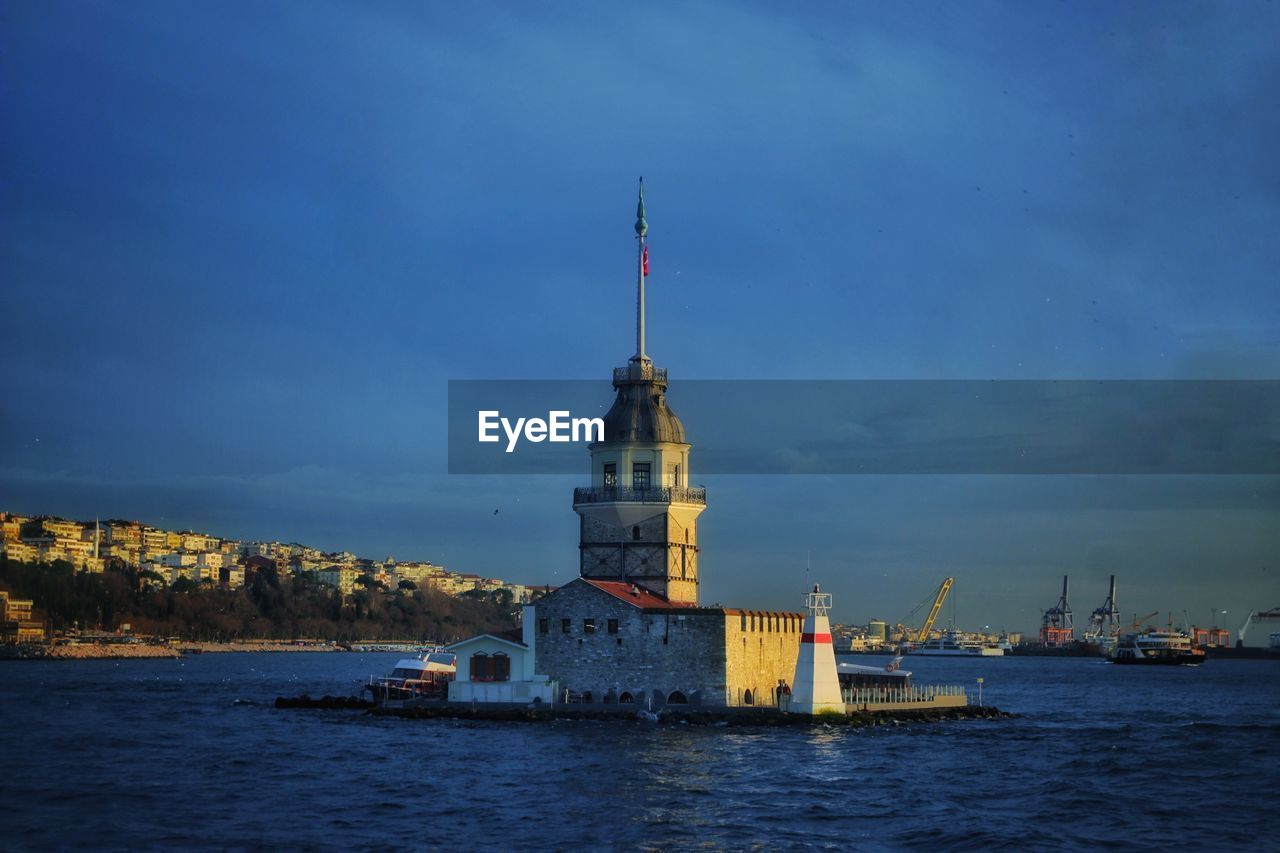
<point x="1105" y="618"/>
<point x="1136" y="624"/>
<point x="1272" y="615"/>
<point x="933" y="611"/>
<point x="923" y="634"/>
<point x="1056" y="628"/>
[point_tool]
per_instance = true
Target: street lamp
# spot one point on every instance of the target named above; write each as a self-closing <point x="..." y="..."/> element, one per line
<point x="980" y="680"/>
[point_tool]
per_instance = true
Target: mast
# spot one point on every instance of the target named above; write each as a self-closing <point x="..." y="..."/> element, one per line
<point x="642" y="228"/>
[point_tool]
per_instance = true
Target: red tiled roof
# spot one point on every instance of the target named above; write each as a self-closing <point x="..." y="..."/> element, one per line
<point x="637" y="595"/>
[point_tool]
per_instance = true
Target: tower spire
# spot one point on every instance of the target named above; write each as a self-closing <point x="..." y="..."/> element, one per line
<point x="642" y="228"/>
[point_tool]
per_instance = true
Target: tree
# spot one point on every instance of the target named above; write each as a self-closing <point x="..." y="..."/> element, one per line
<point x="407" y="586"/>
<point x="370" y="582"/>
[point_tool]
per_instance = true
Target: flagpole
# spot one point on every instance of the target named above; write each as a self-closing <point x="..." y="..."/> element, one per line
<point x="640" y="353"/>
<point x="642" y="228"/>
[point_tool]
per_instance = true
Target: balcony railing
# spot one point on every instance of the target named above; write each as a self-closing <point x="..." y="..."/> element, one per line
<point x="645" y="371"/>
<point x="652" y="494"/>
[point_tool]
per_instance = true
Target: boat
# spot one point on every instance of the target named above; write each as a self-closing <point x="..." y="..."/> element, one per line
<point x="951" y="644"/>
<point x="1098" y="643"/>
<point x="857" y="675"/>
<point x="1157" y="646"/>
<point x="424" y="677"/>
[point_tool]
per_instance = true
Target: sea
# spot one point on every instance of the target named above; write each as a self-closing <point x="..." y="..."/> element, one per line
<point x="192" y="754"/>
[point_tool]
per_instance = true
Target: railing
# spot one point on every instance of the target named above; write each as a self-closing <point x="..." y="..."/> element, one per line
<point x="652" y="494"/>
<point x="872" y="696"/>
<point x="646" y="372"/>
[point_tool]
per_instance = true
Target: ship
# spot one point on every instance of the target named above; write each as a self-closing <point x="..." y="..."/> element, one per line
<point x="951" y="644"/>
<point x="1157" y="646"/>
<point x="1098" y="643"/>
<point x="423" y="677"/>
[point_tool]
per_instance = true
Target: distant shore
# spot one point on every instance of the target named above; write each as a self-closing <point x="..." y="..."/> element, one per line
<point x="126" y="651"/>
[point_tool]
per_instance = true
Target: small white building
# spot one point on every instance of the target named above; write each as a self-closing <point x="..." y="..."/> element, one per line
<point x="499" y="668"/>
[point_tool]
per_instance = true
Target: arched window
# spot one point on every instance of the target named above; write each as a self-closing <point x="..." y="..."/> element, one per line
<point x="635" y="533"/>
<point x="625" y="698"/>
<point x="677" y="698"/>
<point x="747" y="698"/>
<point x="501" y="667"/>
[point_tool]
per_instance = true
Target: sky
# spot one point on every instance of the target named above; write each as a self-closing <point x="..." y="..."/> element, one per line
<point x="244" y="247"/>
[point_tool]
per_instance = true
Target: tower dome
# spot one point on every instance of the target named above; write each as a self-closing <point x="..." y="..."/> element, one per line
<point x="640" y="411"/>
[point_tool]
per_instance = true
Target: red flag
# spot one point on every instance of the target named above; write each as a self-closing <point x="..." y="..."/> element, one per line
<point x="645" y="262"/>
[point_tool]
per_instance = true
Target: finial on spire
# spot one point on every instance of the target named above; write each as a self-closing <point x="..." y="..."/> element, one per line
<point x="642" y="264"/>
<point x="642" y="227"/>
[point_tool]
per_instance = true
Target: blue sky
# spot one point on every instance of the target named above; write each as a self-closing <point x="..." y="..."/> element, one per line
<point x="245" y="247"/>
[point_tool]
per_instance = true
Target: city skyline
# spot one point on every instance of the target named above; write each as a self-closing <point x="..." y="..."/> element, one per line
<point x="255" y="290"/>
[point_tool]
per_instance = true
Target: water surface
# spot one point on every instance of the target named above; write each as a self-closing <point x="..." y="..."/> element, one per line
<point x="190" y="753"/>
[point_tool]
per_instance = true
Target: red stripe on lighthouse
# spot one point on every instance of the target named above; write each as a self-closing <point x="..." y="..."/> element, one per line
<point x="816" y="638"/>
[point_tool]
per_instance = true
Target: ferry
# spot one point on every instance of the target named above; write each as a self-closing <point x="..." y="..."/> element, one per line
<point x="951" y="644"/>
<point x="1157" y="646"/>
<point x="857" y="675"/>
<point x="424" y="677"/>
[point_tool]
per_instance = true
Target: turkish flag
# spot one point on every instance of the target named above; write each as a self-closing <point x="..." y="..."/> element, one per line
<point x="645" y="261"/>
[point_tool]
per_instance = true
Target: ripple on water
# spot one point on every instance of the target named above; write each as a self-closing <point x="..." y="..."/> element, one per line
<point x="196" y="755"/>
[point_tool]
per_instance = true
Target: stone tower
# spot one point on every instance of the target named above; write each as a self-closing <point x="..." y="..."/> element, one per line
<point x="639" y="515"/>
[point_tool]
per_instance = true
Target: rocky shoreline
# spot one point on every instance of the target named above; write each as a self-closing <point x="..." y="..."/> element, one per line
<point x="89" y="651"/>
<point x="669" y="716"/>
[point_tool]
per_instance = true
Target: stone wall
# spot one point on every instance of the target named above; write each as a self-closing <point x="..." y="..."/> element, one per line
<point x="760" y="649"/>
<point x="653" y="653"/>
<point x="712" y="656"/>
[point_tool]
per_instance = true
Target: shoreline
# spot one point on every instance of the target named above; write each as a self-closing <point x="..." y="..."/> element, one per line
<point x="150" y="651"/>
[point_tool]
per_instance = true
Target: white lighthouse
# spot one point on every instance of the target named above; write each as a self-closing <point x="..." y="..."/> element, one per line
<point x="816" y="686"/>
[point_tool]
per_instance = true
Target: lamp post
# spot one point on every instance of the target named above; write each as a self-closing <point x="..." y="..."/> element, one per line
<point x="980" y="680"/>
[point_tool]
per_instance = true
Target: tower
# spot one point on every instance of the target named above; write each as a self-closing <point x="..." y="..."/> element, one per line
<point x="638" y="518"/>
<point x="815" y="689"/>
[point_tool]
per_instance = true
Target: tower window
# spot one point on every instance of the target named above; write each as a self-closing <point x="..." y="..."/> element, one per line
<point x="588" y="626"/>
<point x="640" y="475"/>
<point x="635" y="533"/>
<point x="542" y="626"/>
<point x="566" y="625"/>
<point x="613" y="626"/>
<point x="610" y="475"/>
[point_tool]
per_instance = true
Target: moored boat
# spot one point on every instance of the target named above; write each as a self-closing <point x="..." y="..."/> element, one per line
<point x="856" y="675"/>
<point x="423" y="677"/>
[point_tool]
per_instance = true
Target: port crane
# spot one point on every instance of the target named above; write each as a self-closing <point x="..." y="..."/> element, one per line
<point x="1135" y="624"/>
<point x="1107" y="617"/>
<point x="923" y="634"/>
<point x="1272" y="615"/>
